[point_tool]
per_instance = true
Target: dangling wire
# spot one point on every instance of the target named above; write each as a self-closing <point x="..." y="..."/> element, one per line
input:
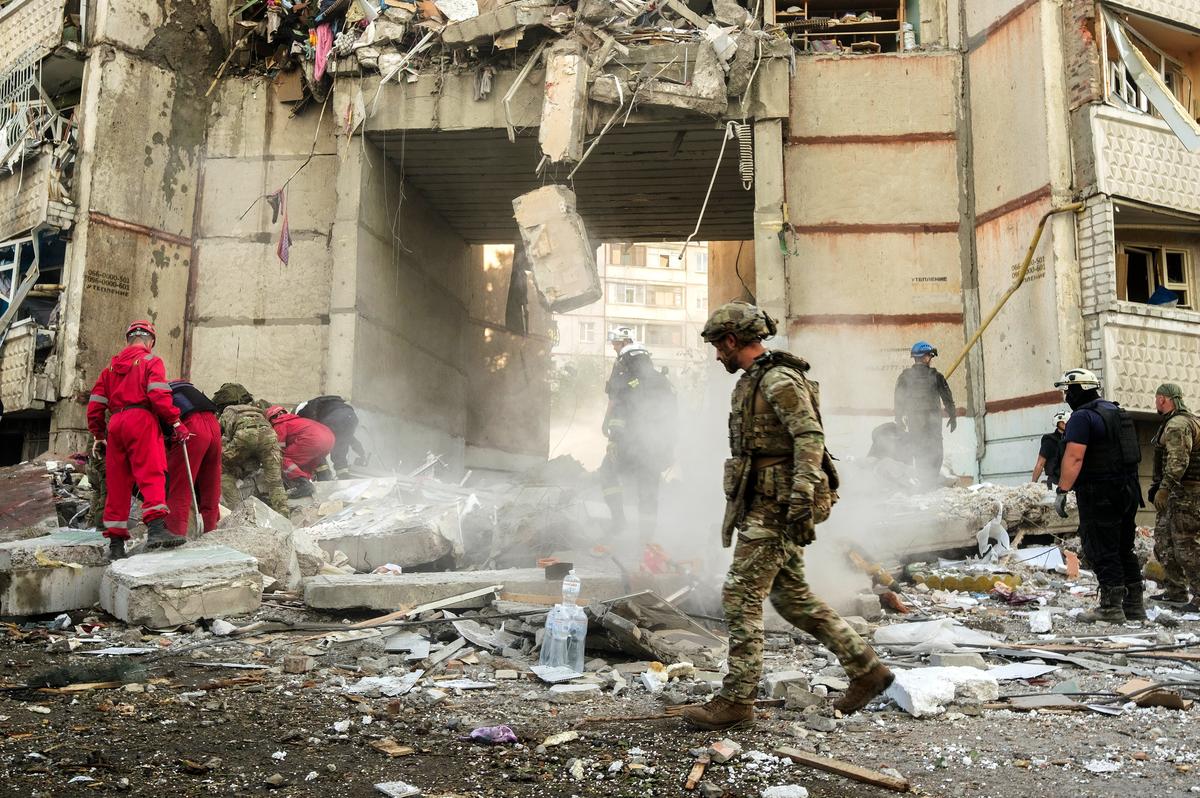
<point x="720" y="156"/>
<point x="745" y="153"/>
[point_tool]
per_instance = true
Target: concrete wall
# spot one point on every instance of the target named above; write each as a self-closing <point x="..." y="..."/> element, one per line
<point x="1018" y="90"/>
<point x="142" y="121"/>
<point x="256" y="320"/>
<point x="876" y="263"/>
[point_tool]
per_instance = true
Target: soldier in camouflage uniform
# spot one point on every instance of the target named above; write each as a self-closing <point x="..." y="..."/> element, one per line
<point x="1175" y="493"/>
<point x="248" y="442"/>
<point x="779" y="483"/>
<point x="96" y="475"/>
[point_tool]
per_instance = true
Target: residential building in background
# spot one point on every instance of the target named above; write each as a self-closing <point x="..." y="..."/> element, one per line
<point x="649" y="288"/>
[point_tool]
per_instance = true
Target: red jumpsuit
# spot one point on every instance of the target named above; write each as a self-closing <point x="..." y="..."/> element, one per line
<point x="305" y="444"/>
<point x="134" y="389"/>
<point x="204" y="454"/>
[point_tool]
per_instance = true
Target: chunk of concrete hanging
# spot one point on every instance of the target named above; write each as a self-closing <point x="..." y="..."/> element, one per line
<point x="556" y="243"/>
<point x="701" y="89"/>
<point x="168" y="588"/>
<point x="52" y="573"/>
<point x="564" y="105"/>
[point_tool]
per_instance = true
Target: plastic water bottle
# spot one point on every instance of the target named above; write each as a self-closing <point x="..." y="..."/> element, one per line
<point x="570" y="589"/>
<point x="565" y="638"/>
<point x="554" y="641"/>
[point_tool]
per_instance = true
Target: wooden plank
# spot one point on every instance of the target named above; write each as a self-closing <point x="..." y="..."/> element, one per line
<point x="845" y="769"/>
<point x="697" y="772"/>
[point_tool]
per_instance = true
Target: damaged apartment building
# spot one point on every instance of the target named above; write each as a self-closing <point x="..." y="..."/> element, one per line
<point x="302" y="197"/>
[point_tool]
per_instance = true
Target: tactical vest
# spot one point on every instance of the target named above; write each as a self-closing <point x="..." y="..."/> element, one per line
<point x="1054" y="467"/>
<point x="248" y="416"/>
<point x="1118" y="452"/>
<point x="1192" y="474"/>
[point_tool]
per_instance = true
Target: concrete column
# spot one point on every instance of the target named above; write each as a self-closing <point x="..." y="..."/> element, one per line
<point x="353" y="153"/>
<point x="770" y="265"/>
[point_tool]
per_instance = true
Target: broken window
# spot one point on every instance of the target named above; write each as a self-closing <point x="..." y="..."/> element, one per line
<point x="1151" y="69"/>
<point x="1154" y="275"/>
<point x="845" y="26"/>
<point x="626" y="255"/>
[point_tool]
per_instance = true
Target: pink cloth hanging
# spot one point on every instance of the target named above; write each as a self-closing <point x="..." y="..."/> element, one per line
<point x="324" y="45"/>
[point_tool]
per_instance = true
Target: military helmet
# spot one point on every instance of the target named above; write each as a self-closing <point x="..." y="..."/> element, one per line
<point x="745" y="321"/>
<point x="232" y="393"/>
<point x="1081" y="377"/>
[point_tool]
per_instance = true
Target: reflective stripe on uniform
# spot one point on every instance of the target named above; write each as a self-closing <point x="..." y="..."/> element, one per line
<point x="116" y="525"/>
<point x="98" y="398"/>
<point x="291" y="468"/>
<point x="158" y="386"/>
<point x="156" y="507"/>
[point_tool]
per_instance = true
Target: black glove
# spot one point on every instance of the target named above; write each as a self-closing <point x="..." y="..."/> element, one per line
<point x="1060" y="504"/>
<point x="1150" y="495"/>
<point x="952" y="423"/>
<point x="800" y="527"/>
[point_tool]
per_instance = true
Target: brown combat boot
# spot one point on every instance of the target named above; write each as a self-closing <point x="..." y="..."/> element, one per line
<point x="864" y="688"/>
<point x="719" y="714"/>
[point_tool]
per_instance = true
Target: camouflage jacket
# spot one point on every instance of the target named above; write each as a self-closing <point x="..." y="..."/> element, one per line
<point x="1177" y="452"/>
<point x="775" y="414"/>
<point x="236" y="417"/>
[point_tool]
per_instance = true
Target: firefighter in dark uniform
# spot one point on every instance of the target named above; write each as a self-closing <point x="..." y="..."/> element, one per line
<point x="921" y="395"/>
<point x="1049" y="461"/>
<point x="1099" y="464"/>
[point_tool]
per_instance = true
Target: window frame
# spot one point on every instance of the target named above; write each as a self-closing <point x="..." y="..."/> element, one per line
<point x="1156" y="272"/>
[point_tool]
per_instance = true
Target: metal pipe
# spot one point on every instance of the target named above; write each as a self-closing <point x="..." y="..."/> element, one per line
<point x="1012" y="289"/>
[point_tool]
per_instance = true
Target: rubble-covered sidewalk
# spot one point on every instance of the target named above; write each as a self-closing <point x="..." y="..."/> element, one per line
<point x="385" y="641"/>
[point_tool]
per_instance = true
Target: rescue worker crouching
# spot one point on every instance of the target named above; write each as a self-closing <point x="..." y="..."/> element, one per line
<point x="340" y="417"/>
<point x="779" y="484"/>
<point x="129" y="401"/>
<point x="248" y="443"/>
<point x="305" y="444"/>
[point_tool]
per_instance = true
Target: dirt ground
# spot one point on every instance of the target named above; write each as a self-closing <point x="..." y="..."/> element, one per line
<point x="188" y="727"/>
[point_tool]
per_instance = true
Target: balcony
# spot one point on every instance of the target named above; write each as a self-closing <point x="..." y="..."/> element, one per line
<point x="24" y="381"/>
<point x="1145" y="347"/>
<point x="1185" y="12"/>
<point x="35" y="197"/>
<point x="1139" y="158"/>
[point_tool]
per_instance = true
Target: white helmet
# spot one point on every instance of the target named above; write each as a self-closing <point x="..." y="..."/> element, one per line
<point x="1081" y="377"/>
<point x="621" y="334"/>
<point x="1061" y="417"/>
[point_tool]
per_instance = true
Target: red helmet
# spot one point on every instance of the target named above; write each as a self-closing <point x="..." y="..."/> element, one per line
<point x="143" y="327"/>
<point x="275" y="411"/>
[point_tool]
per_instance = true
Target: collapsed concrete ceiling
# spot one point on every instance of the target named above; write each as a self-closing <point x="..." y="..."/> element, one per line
<point x="642" y="183"/>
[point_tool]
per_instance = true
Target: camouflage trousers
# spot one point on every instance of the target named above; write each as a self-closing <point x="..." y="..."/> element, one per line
<point x="768" y="565"/>
<point x="97" y="477"/>
<point x="1164" y="552"/>
<point x="251" y="448"/>
<point x="1184" y="520"/>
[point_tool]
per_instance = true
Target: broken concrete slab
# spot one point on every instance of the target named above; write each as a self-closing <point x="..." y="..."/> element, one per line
<point x="388" y="592"/>
<point x="647" y="626"/>
<point x="777" y="685"/>
<point x="374" y="533"/>
<point x="702" y="90"/>
<point x="957" y="659"/>
<point x="167" y="588"/>
<point x="52" y="573"/>
<point x="485" y="27"/>
<point x="564" y="106"/>
<point x="557" y="246"/>
<point x="922" y="692"/>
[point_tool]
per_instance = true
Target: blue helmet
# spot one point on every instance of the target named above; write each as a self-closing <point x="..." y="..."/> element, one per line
<point x="922" y="348"/>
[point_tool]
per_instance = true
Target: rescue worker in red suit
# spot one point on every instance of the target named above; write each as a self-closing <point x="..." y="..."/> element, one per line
<point x="203" y="454"/>
<point x="134" y="393"/>
<point x="305" y="443"/>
